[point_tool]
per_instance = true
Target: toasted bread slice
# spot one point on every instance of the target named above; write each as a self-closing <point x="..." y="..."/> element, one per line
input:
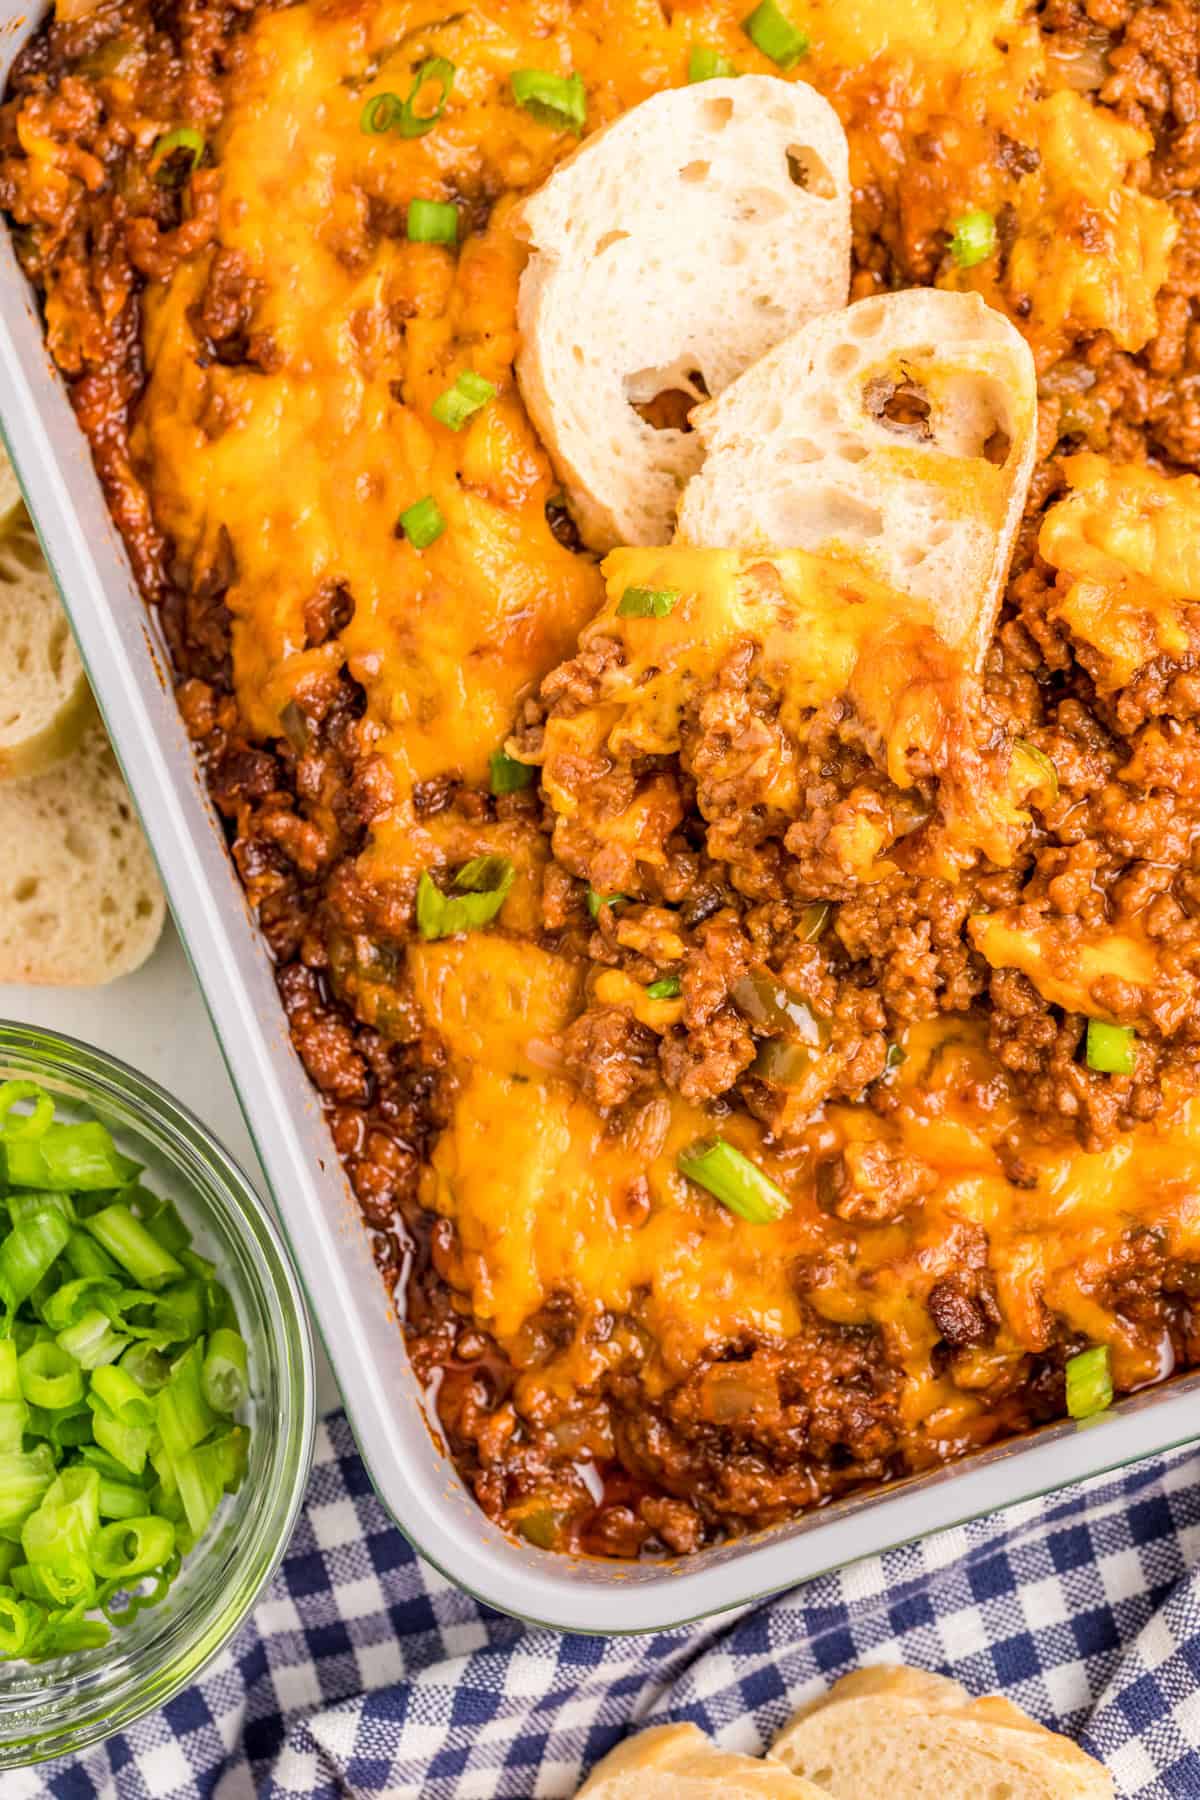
<point x="80" y="902"/>
<point x="887" y="1734"/>
<point x="671" y="252"/>
<point x="677" y="1762"/>
<point x="45" y="703"/>
<point x="899" y="432"/>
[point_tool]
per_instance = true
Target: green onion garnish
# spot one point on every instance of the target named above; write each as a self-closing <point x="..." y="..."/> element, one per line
<point x="508" y="775"/>
<point x="1089" y="1382"/>
<point x="896" y="1055"/>
<point x="648" y="603"/>
<point x="707" y="64"/>
<point x="25" y="1125"/>
<point x="596" y="901"/>
<point x="668" y="987"/>
<point x="558" y="100"/>
<point x="1110" y="1049"/>
<point x="432" y="222"/>
<point x="771" y="31"/>
<point x="455" y="405"/>
<point x="973" y="238"/>
<point x="423" y="523"/>
<point x="388" y="112"/>
<point x="120" y="1367"/>
<point x="733" y="1180"/>
<point x="480" y="889"/>
<point x="379" y="114"/>
<point x="167" y="166"/>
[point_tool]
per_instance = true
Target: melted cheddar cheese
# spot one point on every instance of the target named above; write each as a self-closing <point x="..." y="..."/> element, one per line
<point x="294" y="465"/>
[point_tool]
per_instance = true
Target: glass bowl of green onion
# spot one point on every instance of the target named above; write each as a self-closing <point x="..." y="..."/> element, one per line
<point x="156" y="1396"/>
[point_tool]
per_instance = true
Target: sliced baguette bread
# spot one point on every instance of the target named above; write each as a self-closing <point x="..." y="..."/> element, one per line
<point x="45" y="703"/>
<point x="892" y="1734"/>
<point x="11" y="505"/>
<point x="667" y="255"/>
<point x="677" y="1762"/>
<point x="80" y="902"/>
<point x="900" y="432"/>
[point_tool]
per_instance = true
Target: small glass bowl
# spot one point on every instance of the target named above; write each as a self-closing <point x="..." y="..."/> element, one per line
<point x="54" y="1708"/>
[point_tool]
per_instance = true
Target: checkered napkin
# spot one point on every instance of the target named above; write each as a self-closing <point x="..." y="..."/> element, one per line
<point x="365" y="1673"/>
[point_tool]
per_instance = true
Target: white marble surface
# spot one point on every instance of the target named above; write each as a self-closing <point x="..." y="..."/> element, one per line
<point x="155" y="1020"/>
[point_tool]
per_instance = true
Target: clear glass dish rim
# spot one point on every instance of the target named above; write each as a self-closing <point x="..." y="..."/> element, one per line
<point x="54" y="1054"/>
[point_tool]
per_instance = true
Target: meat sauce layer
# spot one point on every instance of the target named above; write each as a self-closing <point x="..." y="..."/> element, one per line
<point x="794" y="881"/>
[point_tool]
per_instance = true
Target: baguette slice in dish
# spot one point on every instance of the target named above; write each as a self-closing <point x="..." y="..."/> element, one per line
<point x="677" y="1762"/>
<point x="899" y="432"/>
<point x="901" y="1734"/>
<point x="80" y="901"/>
<point x="667" y="255"/>
<point x="45" y="703"/>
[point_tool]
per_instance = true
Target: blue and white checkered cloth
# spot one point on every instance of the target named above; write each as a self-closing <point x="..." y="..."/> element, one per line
<point x="363" y="1672"/>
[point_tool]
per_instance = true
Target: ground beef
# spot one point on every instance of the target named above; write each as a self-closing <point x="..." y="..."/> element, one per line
<point x="758" y="1430"/>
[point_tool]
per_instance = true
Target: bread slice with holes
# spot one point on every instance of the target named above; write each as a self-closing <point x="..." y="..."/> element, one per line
<point x="667" y="255"/>
<point x="900" y="432"/>
<point x="892" y="1733"/>
<point x="45" y="703"/>
<point x="677" y="1762"/>
<point x="80" y="901"/>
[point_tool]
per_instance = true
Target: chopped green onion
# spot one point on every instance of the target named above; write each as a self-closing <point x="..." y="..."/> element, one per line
<point x="92" y="1340"/>
<point x="180" y="1313"/>
<point x="87" y="1258"/>
<point x="558" y="100"/>
<point x="380" y="113"/>
<point x="78" y="1158"/>
<point x="896" y="1054"/>
<point x="432" y="222"/>
<point x="733" y="1180"/>
<point x="147" y="1366"/>
<point x="25" y="1203"/>
<point x="165" y="160"/>
<point x="669" y="987"/>
<point x="223" y="1375"/>
<point x="771" y="31"/>
<point x="487" y="881"/>
<point x="121" y="1499"/>
<point x="97" y="1276"/>
<point x="132" y="1547"/>
<point x="423" y="523"/>
<point x="20" y="1623"/>
<point x="128" y="1444"/>
<point x="166" y="1227"/>
<point x="26" y="1125"/>
<point x="508" y="775"/>
<point x="596" y="901"/>
<point x="28" y="1252"/>
<point x="24" y="1478"/>
<point x="411" y="123"/>
<point x="972" y="238"/>
<point x="123" y="1397"/>
<point x="1089" y="1382"/>
<point x="184" y="1415"/>
<point x="455" y="405"/>
<point x="199" y="1489"/>
<point x="648" y="603"/>
<point x="50" y="1377"/>
<point x="126" y="1238"/>
<point x="388" y="112"/>
<point x="707" y="64"/>
<point x="1111" y="1049"/>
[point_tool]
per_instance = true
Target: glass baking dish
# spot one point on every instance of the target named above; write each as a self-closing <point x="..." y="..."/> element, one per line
<point x="414" y="1479"/>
